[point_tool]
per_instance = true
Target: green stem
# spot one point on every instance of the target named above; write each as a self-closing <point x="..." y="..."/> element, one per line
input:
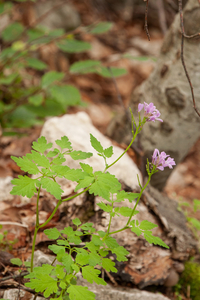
<point x="36" y="228"/>
<point x="109" y="221"/>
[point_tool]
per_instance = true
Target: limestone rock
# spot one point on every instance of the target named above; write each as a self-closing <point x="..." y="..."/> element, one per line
<point x="77" y="128"/>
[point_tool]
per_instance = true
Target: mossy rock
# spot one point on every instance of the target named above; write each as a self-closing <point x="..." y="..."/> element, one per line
<point x="191" y="277"/>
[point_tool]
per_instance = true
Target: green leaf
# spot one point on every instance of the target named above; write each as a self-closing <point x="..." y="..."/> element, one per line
<point x="36" y="64"/>
<point x="122" y="195"/>
<point x="76" y="221"/>
<point x="52" y="187"/>
<point x="66" y="95"/>
<point x="39" y="159"/>
<point x="24" y="186"/>
<point x="91" y="275"/>
<point x="116" y="72"/>
<point x="108" y="265"/>
<point x="125" y="211"/>
<point x="60" y="273"/>
<point x="26" y="165"/>
<point x="12" y="31"/>
<point x="105" y="207"/>
<point x="64" y="143"/>
<point x="111" y="242"/>
<point x="87" y="168"/>
<point x="73" y="46"/>
<point x="50" y="77"/>
<point x="74" y="174"/>
<point x="41" y="145"/>
<point x="195" y="223"/>
<point x="36" y="100"/>
<point x="84" y="67"/>
<point x="67" y="262"/>
<point x="94" y="259"/>
<point x="121" y="253"/>
<point x="4" y="7"/>
<point x="196" y="203"/>
<point x="52" y="233"/>
<point x="45" y="284"/>
<point x="9" y="79"/>
<point x="146" y="225"/>
<point x="80" y="155"/>
<point x="104" y="185"/>
<point x="16" y="261"/>
<point x="83" y="183"/>
<point x="108" y="152"/>
<point x="101" y="27"/>
<point x="63" y="243"/>
<point x="154" y="239"/>
<point x="77" y="292"/>
<point x="96" y="144"/>
<point x="82" y="258"/>
<point x="60" y="170"/>
<point x="53" y="153"/>
<point x="56" y="249"/>
<point x="136" y="230"/>
<point x="97" y="240"/>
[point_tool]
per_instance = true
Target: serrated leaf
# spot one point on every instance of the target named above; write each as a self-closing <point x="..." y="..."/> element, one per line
<point x="53" y="153"/>
<point x="67" y="262"/>
<point x="97" y="240"/>
<point x="74" y="174"/>
<point x="125" y="211"/>
<point x="111" y="242"/>
<point x="76" y="155"/>
<point x="108" y="152"/>
<point x="86" y="168"/>
<point x="108" y="265"/>
<point x="146" y="225"/>
<point x="91" y="275"/>
<point x="16" y="261"/>
<point x="52" y="187"/>
<point x="154" y="239"/>
<point x="52" y="233"/>
<point x="122" y="195"/>
<point x="76" y="221"/>
<point x="36" y="100"/>
<point x="24" y="186"/>
<point x="58" y="160"/>
<point x="83" y="183"/>
<point x="39" y="159"/>
<point x="96" y="144"/>
<point x="12" y="31"/>
<point x="73" y="46"/>
<point x="63" y="243"/>
<point x="94" y="259"/>
<point x="136" y="230"/>
<point x="41" y="145"/>
<point x="84" y="67"/>
<point x="82" y="258"/>
<point x="56" y="249"/>
<point x="75" y="268"/>
<point x="60" y="273"/>
<point x="50" y="77"/>
<point x="60" y="170"/>
<point x="77" y="292"/>
<point x="45" y="284"/>
<point x="36" y="63"/>
<point x="64" y="143"/>
<point x="105" y="207"/>
<point x="101" y="27"/>
<point x="26" y="165"/>
<point x="121" y="253"/>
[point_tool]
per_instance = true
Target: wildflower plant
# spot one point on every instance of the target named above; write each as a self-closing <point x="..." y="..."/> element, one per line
<point x="59" y="282"/>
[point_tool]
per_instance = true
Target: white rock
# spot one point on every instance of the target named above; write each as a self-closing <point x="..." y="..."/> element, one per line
<point x="77" y="127"/>
<point x="13" y="294"/>
<point x="5" y="188"/>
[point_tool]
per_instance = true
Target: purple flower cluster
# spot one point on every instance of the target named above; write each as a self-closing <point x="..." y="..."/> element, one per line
<point x="150" y="112"/>
<point x="162" y="160"/>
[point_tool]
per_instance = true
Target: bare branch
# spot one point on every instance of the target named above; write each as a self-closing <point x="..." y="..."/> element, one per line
<point x="145" y="20"/>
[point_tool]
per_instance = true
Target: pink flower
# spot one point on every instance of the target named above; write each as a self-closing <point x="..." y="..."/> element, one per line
<point x="150" y="112"/>
<point x="159" y="160"/>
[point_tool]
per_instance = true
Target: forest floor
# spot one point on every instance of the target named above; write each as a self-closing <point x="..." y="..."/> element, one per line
<point x="102" y="104"/>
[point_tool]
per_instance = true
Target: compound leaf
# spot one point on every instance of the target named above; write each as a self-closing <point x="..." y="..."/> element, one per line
<point x="121" y="253"/>
<point x="85" y="182"/>
<point x="80" y="154"/>
<point x="52" y="187"/>
<point x="78" y="292"/>
<point x="64" y="143"/>
<point x="39" y="159"/>
<point x="154" y="239"/>
<point x="111" y="242"/>
<point x="45" y="284"/>
<point x="26" y="165"/>
<point x="41" y="145"/>
<point x="108" y="265"/>
<point x="24" y="186"/>
<point x="91" y="275"/>
<point x="146" y="225"/>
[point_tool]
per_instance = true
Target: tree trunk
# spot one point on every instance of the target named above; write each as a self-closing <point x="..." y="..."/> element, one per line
<point x="168" y="88"/>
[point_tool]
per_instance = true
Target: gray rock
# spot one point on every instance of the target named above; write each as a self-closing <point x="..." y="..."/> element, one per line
<point x="65" y="16"/>
<point x="13" y="294"/>
<point x="77" y="128"/>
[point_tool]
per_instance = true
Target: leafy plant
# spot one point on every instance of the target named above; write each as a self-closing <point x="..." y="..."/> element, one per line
<point x="4" y="242"/>
<point x="73" y="255"/>
<point x="23" y="100"/>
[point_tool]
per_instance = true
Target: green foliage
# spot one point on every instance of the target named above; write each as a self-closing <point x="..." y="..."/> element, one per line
<point x="101" y="27"/>
<point x="191" y="277"/>
<point x="5" y="244"/>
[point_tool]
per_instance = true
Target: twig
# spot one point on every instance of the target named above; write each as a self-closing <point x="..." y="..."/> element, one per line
<point x="145" y="20"/>
<point x="182" y="55"/>
<point x="13" y="223"/>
